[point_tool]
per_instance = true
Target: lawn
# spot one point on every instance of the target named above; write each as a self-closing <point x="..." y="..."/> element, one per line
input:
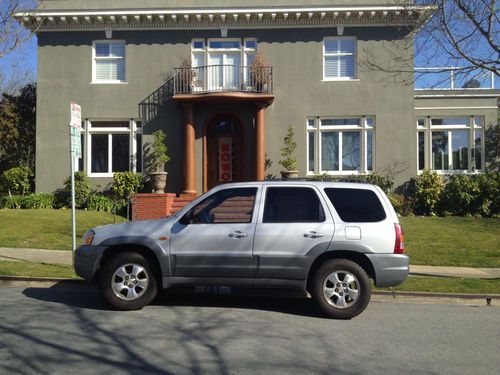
<point x="47" y="229"/>
<point x="449" y="285"/>
<point x="453" y="241"/>
<point x="32" y="269"/>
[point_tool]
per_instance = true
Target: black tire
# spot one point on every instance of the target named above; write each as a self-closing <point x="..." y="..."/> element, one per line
<point x="133" y="293"/>
<point x="344" y="303"/>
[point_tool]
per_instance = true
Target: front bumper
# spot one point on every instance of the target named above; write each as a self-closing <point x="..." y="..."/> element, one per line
<point x="86" y="260"/>
<point x="390" y="269"/>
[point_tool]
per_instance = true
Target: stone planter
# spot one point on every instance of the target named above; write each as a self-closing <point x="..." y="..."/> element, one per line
<point x="285" y="175"/>
<point x="158" y="182"/>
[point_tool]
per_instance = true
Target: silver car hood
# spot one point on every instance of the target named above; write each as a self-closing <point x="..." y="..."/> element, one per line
<point x="144" y="228"/>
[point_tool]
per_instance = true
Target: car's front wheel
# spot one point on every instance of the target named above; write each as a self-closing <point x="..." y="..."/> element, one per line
<point x="127" y="282"/>
<point x="341" y="289"/>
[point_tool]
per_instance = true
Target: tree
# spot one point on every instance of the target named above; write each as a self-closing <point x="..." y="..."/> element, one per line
<point x="459" y="33"/>
<point x="17" y="129"/>
<point x="12" y="34"/>
<point x="14" y="74"/>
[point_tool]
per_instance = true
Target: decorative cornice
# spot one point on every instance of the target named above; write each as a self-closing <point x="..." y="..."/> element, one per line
<point x="231" y="18"/>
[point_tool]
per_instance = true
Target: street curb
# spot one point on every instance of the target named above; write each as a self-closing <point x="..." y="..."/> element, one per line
<point x="377" y="295"/>
<point x="429" y="274"/>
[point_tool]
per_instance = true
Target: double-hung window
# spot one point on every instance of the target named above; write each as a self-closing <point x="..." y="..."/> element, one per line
<point x="111" y="146"/>
<point x="339" y="58"/>
<point x="451" y="144"/>
<point x="340" y="145"/>
<point x="108" y="61"/>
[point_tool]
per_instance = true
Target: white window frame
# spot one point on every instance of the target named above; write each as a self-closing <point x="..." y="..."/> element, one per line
<point x="339" y="54"/>
<point x="427" y="128"/>
<point x="132" y="130"/>
<point x="206" y="50"/>
<point x="363" y="128"/>
<point x="95" y="58"/>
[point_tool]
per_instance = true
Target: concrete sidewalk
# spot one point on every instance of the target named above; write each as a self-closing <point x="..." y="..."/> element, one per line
<point x="65" y="257"/>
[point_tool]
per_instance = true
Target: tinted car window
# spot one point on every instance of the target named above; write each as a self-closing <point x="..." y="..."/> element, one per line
<point x="224" y="206"/>
<point x="356" y="205"/>
<point x="292" y="205"/>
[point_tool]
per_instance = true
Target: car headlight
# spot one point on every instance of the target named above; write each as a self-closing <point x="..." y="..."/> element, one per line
<point x="88" y="237"/>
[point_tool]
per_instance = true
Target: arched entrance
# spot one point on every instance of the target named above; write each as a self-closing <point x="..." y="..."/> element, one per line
<point x="225" y="156"/>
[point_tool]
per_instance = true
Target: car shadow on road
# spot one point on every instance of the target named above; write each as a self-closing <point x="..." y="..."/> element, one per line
<point x="89" y="297"/>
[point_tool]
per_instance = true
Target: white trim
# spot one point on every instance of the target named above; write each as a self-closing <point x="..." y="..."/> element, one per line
<point x="354" y="54"/>
<point x="451" y="95"/>
<point x="271" y="10"/>
<point x="95" y="58"/>
<point x="341" y="79"/>
<point x="445" y="108"/>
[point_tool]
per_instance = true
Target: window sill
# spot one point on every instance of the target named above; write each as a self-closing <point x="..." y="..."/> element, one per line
<point x="340" y="173"/>
<point x="340" y="80"/>
<point x="109" y="83"/>
<point x="452" y="171"/>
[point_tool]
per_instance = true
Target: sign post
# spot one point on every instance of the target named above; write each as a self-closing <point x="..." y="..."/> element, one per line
<point x="75" y="126"/>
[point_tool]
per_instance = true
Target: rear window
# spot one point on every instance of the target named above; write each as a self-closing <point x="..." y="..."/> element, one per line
<point x="356" y="205"/>
<point x="292" y="205"/>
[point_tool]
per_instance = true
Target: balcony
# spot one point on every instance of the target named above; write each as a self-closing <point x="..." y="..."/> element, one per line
<point x="218" y="79"/>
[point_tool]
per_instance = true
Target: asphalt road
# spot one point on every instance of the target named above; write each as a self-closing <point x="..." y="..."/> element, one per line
<point x="70" y="331"/>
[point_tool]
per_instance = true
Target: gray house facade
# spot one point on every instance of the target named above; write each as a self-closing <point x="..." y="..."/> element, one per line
<point x="225" y="79"/>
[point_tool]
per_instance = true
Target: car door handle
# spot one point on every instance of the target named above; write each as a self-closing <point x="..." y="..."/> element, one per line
<point x="312" y="234"/>
<point x="238" y="234"/>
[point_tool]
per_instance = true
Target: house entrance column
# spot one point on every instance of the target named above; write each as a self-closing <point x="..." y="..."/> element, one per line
<point x="189" y="151"/>
<point x="260" y="144"/>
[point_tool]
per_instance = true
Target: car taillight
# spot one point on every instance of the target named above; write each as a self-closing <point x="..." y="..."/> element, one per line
<point x="399" y="244"/>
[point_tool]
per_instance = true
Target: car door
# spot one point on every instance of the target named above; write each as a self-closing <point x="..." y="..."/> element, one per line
<point x="215" y="237"/>
<point x="293" y="225"/>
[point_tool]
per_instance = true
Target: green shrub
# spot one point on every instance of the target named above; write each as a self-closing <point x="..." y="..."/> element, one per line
<point x="402" y="205"/>
<point x="12" y="201"/>
<point x="157" y="153"/>
<point x="476" y="195"/>
<point x="100" y="202"/>
<point x="427" y="190"/>
<point x="289" y="162"/>
<point x="322" y="177"/>
<point x="487" y="201"/>
<point x="103" y="202"/>
<point x="82" y="191"/>
<point x="126" y="183"/>
<point x="17" y="180"/>
<point x="386" y="183"/>
<point x="459" y="195"/>
<point x="45" y="201"/>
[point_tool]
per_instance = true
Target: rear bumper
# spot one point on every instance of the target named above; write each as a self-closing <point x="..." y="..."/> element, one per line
<point x="390" y="269"/>
<point x="86" y="260"/>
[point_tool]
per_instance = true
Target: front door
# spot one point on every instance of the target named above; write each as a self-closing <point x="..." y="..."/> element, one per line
<point x="225" y="150"/>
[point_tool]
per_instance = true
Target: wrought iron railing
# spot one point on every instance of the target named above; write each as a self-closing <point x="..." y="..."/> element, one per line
<point x="223" y="78"/>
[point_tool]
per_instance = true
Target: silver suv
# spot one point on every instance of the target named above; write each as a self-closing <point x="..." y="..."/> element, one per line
<point x="326" y="239"/>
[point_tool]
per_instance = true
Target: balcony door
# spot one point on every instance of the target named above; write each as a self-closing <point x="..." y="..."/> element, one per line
<point x="224" y="150"/>
<point x="224" y="71"/>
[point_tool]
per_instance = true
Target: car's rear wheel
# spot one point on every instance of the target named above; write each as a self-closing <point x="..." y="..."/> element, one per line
<point x="341" y="288"/>
<point x="127" y="282"/>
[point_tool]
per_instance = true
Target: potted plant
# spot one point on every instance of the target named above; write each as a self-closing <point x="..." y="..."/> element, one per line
<point x="186" y="76"/>
<point x="157" y="158"/>
<point x="259" y="72"/>
<point x="289" y="162"/>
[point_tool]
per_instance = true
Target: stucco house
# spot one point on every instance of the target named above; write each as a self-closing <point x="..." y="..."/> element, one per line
<point x="187" y="67"/>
